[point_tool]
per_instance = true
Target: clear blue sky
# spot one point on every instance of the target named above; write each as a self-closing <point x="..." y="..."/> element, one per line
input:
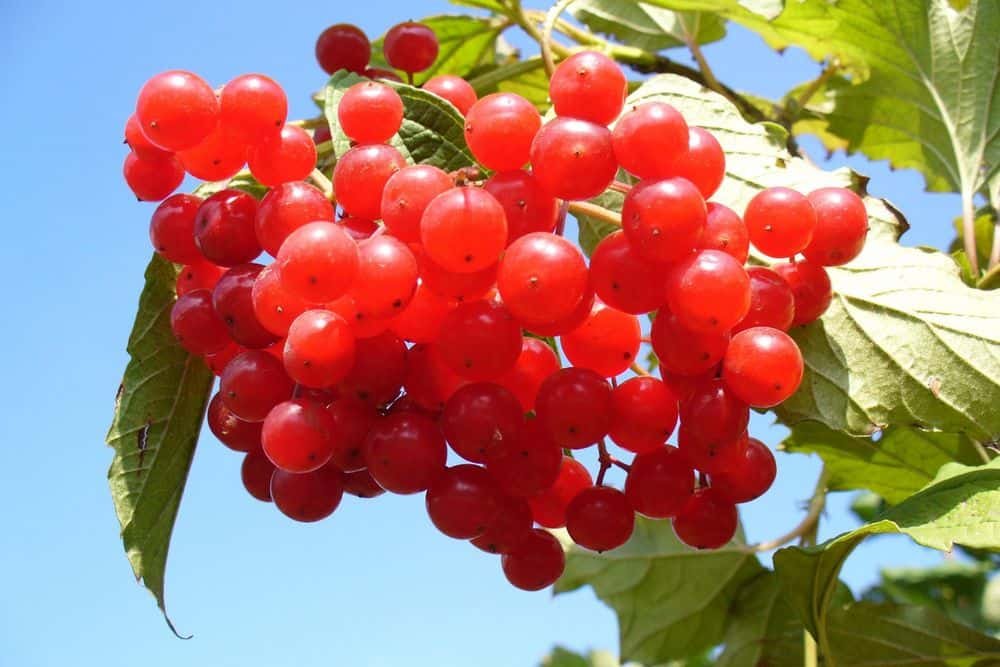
<point x="375" y="585"/>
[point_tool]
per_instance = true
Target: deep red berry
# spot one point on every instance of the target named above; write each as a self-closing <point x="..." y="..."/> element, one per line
<point x="421" y="320"/>
<point x="171" y="229"/>
<point x="152" y="179"/>
<point x="480" y="416"/>
<point x="289" y="155"/>
<point x="318" y="262"/>
<point x="566" y="324"/>
<point x="663" y="220"/>
<point x="177" y="110"/>
<point x="682" y="351"/>
<point x="772" y="303"/>
<point x="589" y="86"/>
<point x="762" y="367"/>
<point x="370" y="112"/>
<point x="751" y="475"/>
<point x="405" y="452"/>
<point x="253" y="106"/>
<point x="362" y="324"/>
<point x="644" y="414"/>
<point x="233" y="301"/>
<point x="535" y="563"/>
<point x="573" y="159"/>
<point x="625" y="280"/>
<point x="253" y="383"/>
<point x="286" y="208"/>
<point x="780" y="221"/>
<point x="536" y="362"/>
<point x="361" y="175"/>
<point x="600" y="518"/>
<point x="509" y="526"/>
<point x="607" y="342"/>
<point x="198" y="275"/>
<point x="713" y="425"/>
<point x="256" y="472"/>
<point x="386" y="278"/>
<point x="407" y="194"/>
<point x="429" y="381"/>
<point x="352" y="419"/>
<point x="196" y="325"/>
<point x="455" y="89"/>
<point x="343" y="46"/>
<point x="361" y="484"/>
<point x="841" y="226"/>
<point x="811" y="287"/>
<point x="527" y="465"/>
<point x="410" y="46"/>
<point x="319" y="350"/>
<point x="549" y="507"/>
<point x="453" y="286"/>
<point x="233" y="432"/>
<point x="542" y="278"/>
<point x="706" y="521"/>
<point x="378" y="371"/>
<point x="308" y="496"/>
<point x="464" y="230"/>
<point x="499" y="129"/>
<point x="480" y="340"/>
<point x="273" y="305"/>
<point x="528" y="207"/>
<point x="659" y="482"/>
<point x="383" y="74"/>
<point x="725" y="231"/>
<point x="224" y="228"/>
<point x="649" y="140"/>
<point x="298" y="435"/>
<point x="709" y="292"/>
<point x="575" y="405"/>
<point x="140" y="144"/>
<point x="463" y="501"/>
<point x="704" y="162"/>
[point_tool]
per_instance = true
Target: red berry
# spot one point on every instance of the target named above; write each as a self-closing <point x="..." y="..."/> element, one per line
<point x="644" y="414"/>
<point x="659" y="482"/>
<point x="549" y="507"/>
<point x="370" y="112"/>
<point x="379" y="369"/>
<point x="650" y="139"/>
<point x="286" y="208"/>
<point x="573" y="159"/>
<point x="195" y="324"/>
<point x="198" y="275"/>
<point x="177" y="110"/>
<point x="841" y="226"/>
<point x="600" y="518"/>
<point x="256" y="474"/>
<point x="725" y="231"/>
<point x="224" y="228"/>
<point x="607" y="342"/>
<point x="253" y="383"/>
<point x="526" y="465"/>
<point x="298" y="435"/>
<point x="751" y="475"/>
<point x="464" y="230"/>
<point x="308" y="496"/>
<point x="382" y="73"/>
<point x="289" y="155"/>
<point x="233" y="301"/>
<point x="421" y="320"/>
<point x="152" y="179"/>
<point x="343" y="46"/>
<point x="499" y="129"/>
<point x="410" y="46"/>
<point x="140" y="144"/>
<point x="386" y="278"/>
<point x="528" y="207"/>
<point x="463" y="501"/>
<point x="536" y="362"/>
<point x="352" y="419"/>
<point x="706" y="521"/>
<point x="542" y="278"/>
<point x="664" y="220"/>
<point x="685" y="352"/>
<point x="458" y="287"/>
<point x="575" y="405"/>
<point x="407" y="194"/>
<point x="772" y="303"/>
<point x="625" y="280"/>
<point x="361" y="484"/>
<point x="480" y="416"/>
<point x="171" y="230"/>
<point x="429" y="382"/>
<point x="704" y="162"/>
<point x="713" y="425"/>
<point x="319" y="350"/>
<point x="253" y="106"/>
<point x="763" y="366"/>
<point x="405" y="452"/>
<point x="480" y="340"/>
<point x="709" y="292"/>
<point x="455" y="89"/>
<point x="811" y="287"/>
<point x="233" y="432"/>
<point x="217" y="158"/>
<point x="535" y="563"/>
<point x="318" y="262"/>
<point x="361" y="175"/>
<point x="780" y="221"/>
<point x="274" y="306"/>
<point x="509" y="526"/>
<point x="566" y="324"/>
<point x="589" y="86"/>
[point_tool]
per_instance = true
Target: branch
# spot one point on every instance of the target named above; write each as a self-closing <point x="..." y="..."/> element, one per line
<point x="991" y="278"/>
<point x="546" y="37"/>
<point x="969" y="231"/>
<point x="807" y="527"/>
<point x="322" y="182"/>
<point x="806" y="95"/>
<point x="595" y="211"/>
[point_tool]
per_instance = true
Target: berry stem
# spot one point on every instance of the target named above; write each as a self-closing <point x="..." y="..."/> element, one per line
<point x="308" y="123"/>
<point x="595" y="211"/>
<point x="322" y="182"/>
<point x="806" y="529"/>
<point x="621" y="464"/>
<point x="546" y="37"/>
<point x="969" y="231"/>
<point x="803" y="99"/>
<point x="639" y="370"/>
<point x="983" y="454"/>
<point x="618" y="186"/>
<point x="561" y="218"/>
<point x="606" y="461"/>
<point x="699" y="57"/>
<point x="991" y="278"/>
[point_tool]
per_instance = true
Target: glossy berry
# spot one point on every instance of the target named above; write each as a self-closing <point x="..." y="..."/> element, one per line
<point x="405" y="452"/>
<point x="352" y="419"/>
<point x="709" y="292"/>
<point x="704" y="162"/>
<point x="527" y="465"/>
<point x="772" y="303"/>
<point x="549" y="507"/>
<point x="624" y="279"/>
<point x="286" y="208"/>
<point x="140" y="144"/>
<point x="252" y="107"/>
<point x="527" y="206"/>
<point x="152" y="179"/>
<point x="707" y="455"/>
<point x="421" y="320"/>
<point x="480" y="416"/>
<point x="589" y="86"/>
<point x="480" y="340"/>
<point x="407" y="194"/>
<point x="382" y="73"/>
<point x="725" y="231"/>
<point x="361" y="175"/>
<point x="171" y="229"/>
<point x="706" y="521"/>
<point x="573" y="159"/>
<point x="319" y="350"/>
<point x="464" y="230"/>
<point x="318" y="262"/>
<point x="233" y="432"/>
<point x="565" y="324"/>
<point x="273" y="305"/>
<point x="535" y="563"/>
<point x="370" y="112"/>
<point x="649" y="139"/>
<point x="289" y="155"/>
<point x="386" y="278"/>
<point x="508" y="528"/>
<point x="542" y="278"/>
<point x="256" y="472"/>
<point x="361" y="484"/>
<point x="410" y="46"/>
<point x="536" y="362"/>
<point x="600" y="518"/>
<point x="810" y="284"/>
<point x="298" y="435"/>
<point x="841" y="226"/>
<point x="177" y="110"/>
<point x="343" y="46"/>
<point x="663" y="220"/>
<point x="233" y="301"/>
<point x="644" y="414"/>
<point x="780" y="221"/>
<point x="253" y="383"/>
<point x="682" y="351"/>
<point x="457" y="287"/>
<point x="659" y="482"/>
<point x="308" y="496"/>
<point x="217" y="361"/>
<point x="713" y="425"/>
<point x="378" y="371"/>
<point x="762" y="367"/>
<point x="463" y="501"/>
<point x="217" y="157"/>
<point x="196" y="325"/>
<point x="751" y="475"/>
<point x="607" y="342"/>
<point x="499" y="129"/>
<point x="575" y="406"/>
<point x="224" y="228"/>
<point x="198" y="275"/>
<point x="455" y="89"/>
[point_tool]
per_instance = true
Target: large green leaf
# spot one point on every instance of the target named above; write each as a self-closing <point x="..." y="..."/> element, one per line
<point x="900" y="463"/>
<point x="525" y="77"/>
<point x="763" y="628"/>
<point x="158" y="415"/>
<point x="646" y="26"/>
<point x="905" y="340"/>
<point x="961" y="506"/>
<point x="671" y="601"/>
<point x="432" y="131"/>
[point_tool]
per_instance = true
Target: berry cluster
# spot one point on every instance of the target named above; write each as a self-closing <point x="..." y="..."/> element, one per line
<point x="415" y="321"/>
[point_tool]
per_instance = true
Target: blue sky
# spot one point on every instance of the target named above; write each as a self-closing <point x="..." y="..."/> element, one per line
<point x="374" y="585"/>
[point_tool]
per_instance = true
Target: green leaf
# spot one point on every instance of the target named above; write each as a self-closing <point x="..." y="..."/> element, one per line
<point x="866" y="506"/>
<point x="646" y="26"/>
<point x="865" y="634"/>
<point x="491" y="5"/>
<point x="432" y="131"/>
<point x="763" y="628"/>
<point x="526" y="77"/>
<point x="961" y="505"/>
<point x="158" y="414"/>
<point x="900" y="463"/>
<point x="671" y="601"/>
<point x="593" y="230"/>
<point x="242" y="181"/>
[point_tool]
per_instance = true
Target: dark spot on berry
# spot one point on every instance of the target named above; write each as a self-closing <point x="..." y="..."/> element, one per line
<point x="398" y="303"/>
